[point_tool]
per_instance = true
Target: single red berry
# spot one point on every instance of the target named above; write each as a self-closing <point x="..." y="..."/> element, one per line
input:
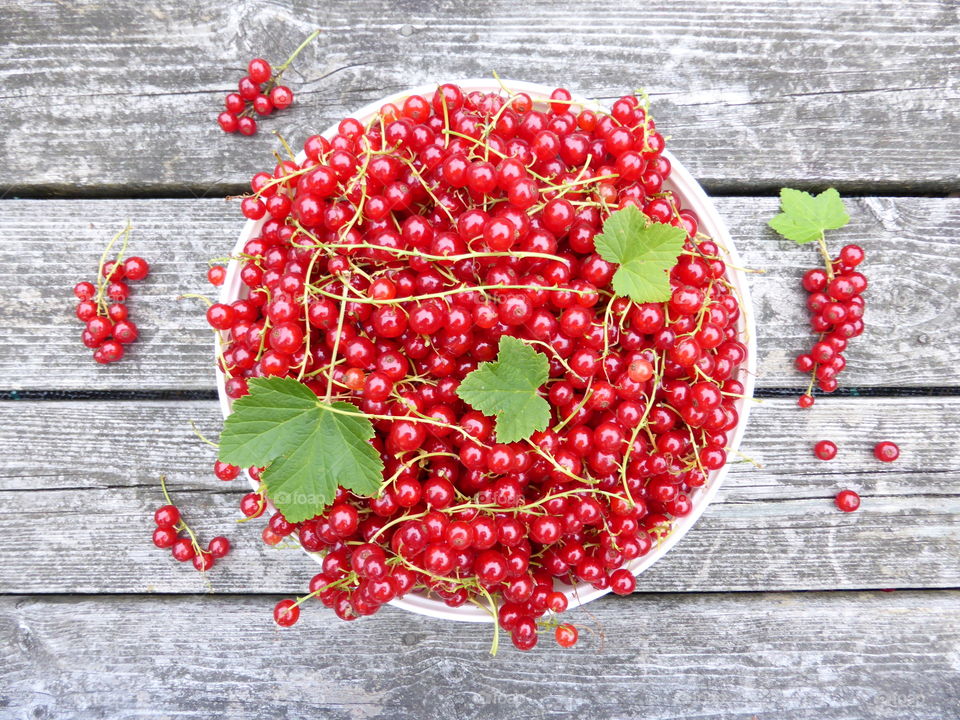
<point x="228" y="121"/>
<point x="84" y="290"/>
<point x="183" y="550"/>
<point x="825" y="450"/>
<point x="852" y="255"/>
<point x="164" y="537"/>
<point x="234" y="103"/>
<point x="125" y="332"/>
<point x="216" y="275"/>
<point x="166" y="516"/>
<point x="805" y="401"/>
<point x="86" y="310"/>
<point x="259" y="70"/>
<point x="111" y="351"/>
<point x="886" y="451"/>
<point x="263" y="105"/>
<point x="282" y="97"/>
<point x="248" y="88"/>
<point x="247" y="126"/>
<point x="135" y="268"/>
<point x="118" y="291"/>
<point x="622" y="581"/>
<point x="566" y="635"/>
<point x="225" y="471"/>
<point x="286" y="613"/>
<point x="219" y="546"/>
<point x="847" y="500"/>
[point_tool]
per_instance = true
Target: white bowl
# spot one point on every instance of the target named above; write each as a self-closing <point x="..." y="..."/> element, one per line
<point x="692" y="196"/>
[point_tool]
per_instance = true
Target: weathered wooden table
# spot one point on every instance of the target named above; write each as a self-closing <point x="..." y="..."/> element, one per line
<point x="775" y="606"/>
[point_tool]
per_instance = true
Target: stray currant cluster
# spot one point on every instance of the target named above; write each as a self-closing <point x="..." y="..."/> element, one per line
<point x="836" y="306"/>
<point x="169" y="534"/>
<point x="102" y="307"/>
<point x="395" y="259"/>
<point x="259" y="92"/>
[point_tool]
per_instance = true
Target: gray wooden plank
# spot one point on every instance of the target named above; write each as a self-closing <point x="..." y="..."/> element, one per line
<point x="754" y="95"/>
<point x="80" y="484"/>
<point x="912" y="263"/>
<point x="836" y="656"/>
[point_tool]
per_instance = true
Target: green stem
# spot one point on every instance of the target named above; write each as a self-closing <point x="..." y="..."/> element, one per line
<point x="827" y="260"/>
<point x="310" y="38"/>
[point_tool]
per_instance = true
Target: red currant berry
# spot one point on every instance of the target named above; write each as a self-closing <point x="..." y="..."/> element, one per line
<point x="281" y="97"/>
<point x="886" y="451"/>
<point x="259" y="70"/>
<point x="825" y="450"/>
<point x="286" y="613"/>
<point x="566" y="635"/>
<point x="847" y="500"/>
<point x="219" y="546"/>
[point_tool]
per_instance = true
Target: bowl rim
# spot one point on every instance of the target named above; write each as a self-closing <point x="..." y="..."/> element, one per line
<point x="680" y="181"/>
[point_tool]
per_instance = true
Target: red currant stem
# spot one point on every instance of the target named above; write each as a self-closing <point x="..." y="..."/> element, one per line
<point x="426" y="186"/>
<point x="102" y="282"/>
<point x="286" y="146"/>
<point x="397" y="521"/>
<point x="641" y="425"/>
<point x="548" y="346"/>
<point x="409" y="463"/>
<point x="750" y="460"/>
<point x="196" y="431"/>
<point x="336" y="341"/>
<point x="306" y="301"/>
<point x="587" y="392"/>
<point x="195" y="296"/>
<point x="557" y="466"/>
<point x="163" y="487"/>
<point x="275" y="181"/>
<point x="444" y="293"/>
<point x="446" y="125"/>
<point x="412" y="418"/>
<point x="441" y="258"/>
<point x="493" y="610"/>
<point x="827" y="261"/>
<point x="278" y="72"/>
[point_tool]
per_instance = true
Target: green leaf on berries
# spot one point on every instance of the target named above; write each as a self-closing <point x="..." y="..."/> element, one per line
<point x="645" y="251"/>
<point x="509" y="390"/>
<point x="309" y="446"/>
<point x="804" y="217"/>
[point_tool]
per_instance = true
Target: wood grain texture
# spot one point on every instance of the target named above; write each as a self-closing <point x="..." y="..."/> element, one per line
<point x="835" y="656"/>
<point x="119" y="98"/>
<point x="913" y="262"/>
<point x="80" y="484"/>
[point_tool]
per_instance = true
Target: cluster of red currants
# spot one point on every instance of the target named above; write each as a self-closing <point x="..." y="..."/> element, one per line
<point x="259" y="92"/>
<point x="168" y="535"/>
<point x="102" y="307"/>
<point x="836" y="305"/>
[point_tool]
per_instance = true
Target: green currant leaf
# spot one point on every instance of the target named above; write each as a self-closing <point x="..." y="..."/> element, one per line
<point x="509" y="390"/>
<point x="645" y="251"/>
<point x="804" y="217"/>
<point x="309" y="447"/>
